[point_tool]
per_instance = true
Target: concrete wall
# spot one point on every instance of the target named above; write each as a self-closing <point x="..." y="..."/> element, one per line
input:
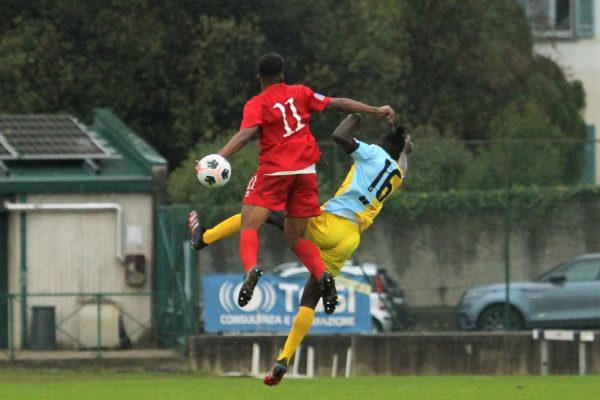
<point x="75" y="251"/>
<point x="435" y="258"/>
<point x="398" y="354"/>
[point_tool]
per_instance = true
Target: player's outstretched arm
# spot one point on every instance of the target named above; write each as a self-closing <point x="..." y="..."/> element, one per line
<point x="403" y="160"/>
<point x="353" y="106"/>
<point x="343" y="135"/>
<point x="238" y="141"/>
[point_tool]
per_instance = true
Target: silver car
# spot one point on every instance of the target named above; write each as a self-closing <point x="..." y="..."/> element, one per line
<point x="567" y="296"/>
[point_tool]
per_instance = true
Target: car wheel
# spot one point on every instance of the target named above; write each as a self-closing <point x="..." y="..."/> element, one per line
<point x="376" y="326"/>
<point x="492" y="319"/>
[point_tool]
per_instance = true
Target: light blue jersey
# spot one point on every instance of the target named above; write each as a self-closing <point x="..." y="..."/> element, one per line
<point x="372" y="178"/>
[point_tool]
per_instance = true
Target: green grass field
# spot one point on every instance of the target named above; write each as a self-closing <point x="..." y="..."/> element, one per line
<point x="61" y="385"/>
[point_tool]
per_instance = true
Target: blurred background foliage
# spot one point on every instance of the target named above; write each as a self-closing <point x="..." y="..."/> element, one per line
<point x="485" y="111"/>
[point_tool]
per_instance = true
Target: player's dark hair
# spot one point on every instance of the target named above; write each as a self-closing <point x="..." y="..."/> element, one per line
<point x="393" y="142"/>
<point x="270" y="65"/>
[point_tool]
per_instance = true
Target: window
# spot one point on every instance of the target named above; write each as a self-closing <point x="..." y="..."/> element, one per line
<point x="589" y="172"/>
<point x="582" y="271"/>
<point x="561" y="18"/>
<point x="551" y="18"/>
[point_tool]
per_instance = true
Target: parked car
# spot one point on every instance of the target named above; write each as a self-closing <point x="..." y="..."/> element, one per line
<point x="387" y="305"/>
<point x="567" y="296"/>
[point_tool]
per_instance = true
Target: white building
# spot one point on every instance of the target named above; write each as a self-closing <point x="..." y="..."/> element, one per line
<point x="77" y="208"/>
<point x="566" y="31"/>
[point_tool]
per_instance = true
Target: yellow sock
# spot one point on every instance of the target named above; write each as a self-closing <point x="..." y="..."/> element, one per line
<point x="300" y="328"/>
<point x="223" y="229"/>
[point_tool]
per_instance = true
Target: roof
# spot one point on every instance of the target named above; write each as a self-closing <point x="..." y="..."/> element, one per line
<point x="124" y="162"/>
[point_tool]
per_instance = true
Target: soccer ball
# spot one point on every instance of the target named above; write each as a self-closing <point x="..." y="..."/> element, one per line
<point x="213" y="171"/>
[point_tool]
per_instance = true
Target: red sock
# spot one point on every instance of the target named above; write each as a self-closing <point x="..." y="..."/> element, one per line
<point x="309" y="254"/>
<point x="249" y="248"/>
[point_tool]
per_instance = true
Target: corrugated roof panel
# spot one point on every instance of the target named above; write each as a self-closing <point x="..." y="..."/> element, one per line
<point x="6" y="151"/>
<point x="50" y="137"/>
<point x="132" y="171"/>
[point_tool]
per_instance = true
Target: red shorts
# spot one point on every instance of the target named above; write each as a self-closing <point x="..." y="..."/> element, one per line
<point x="297" y="194"/>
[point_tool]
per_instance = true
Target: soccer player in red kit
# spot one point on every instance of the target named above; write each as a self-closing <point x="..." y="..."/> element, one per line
<point x="286" y="178"/>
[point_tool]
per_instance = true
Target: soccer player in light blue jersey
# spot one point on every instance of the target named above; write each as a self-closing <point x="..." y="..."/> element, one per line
<point x="378" y="171"/>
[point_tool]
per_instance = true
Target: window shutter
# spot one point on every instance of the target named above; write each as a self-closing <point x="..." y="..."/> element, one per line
<point x="589" y="173"/>
<point x="584" y="18"/>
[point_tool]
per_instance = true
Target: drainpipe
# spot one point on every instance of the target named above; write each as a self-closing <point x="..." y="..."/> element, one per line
<point x="23" y="275"/>
<point x="37" y="207"/>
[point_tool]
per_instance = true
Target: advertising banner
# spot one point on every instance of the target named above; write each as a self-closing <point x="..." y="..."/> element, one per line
<point x="275" y="303"/>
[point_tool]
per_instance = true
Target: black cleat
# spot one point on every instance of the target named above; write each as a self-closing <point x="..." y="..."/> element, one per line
<point x="277" y="372"/>
<point x="247" y="289"/>
<point x="328" y="292"/>
<point x="196" y="231"/>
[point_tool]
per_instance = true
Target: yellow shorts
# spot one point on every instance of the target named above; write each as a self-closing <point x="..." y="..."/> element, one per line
<point x="336" y="238"/>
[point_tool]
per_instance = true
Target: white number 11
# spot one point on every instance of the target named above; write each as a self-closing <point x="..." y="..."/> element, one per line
<point x="299" y="125"/>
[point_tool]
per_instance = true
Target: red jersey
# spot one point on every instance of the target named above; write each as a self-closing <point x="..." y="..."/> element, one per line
<point x="283" y="114"/>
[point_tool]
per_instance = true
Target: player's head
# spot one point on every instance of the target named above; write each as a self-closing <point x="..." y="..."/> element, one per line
<point x="393" y="142"/>
<point x="270" y="67"/>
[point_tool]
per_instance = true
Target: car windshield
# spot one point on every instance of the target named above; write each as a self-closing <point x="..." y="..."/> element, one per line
<point x="391" y="286"/>
<point x="579" y="270"/>
<point x="546" y="275"/>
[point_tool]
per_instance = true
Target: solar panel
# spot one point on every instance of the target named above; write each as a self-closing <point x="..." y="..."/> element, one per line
<point x="48" y="137"/>
<point x="6" y="152"/>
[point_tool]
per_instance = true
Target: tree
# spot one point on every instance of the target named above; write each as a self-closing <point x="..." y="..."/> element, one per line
<point x="525" y="149"/>
<point x="166" y="71"/>
<point x="437" y="163"/>
<point x="179" y="72"/>
<point x="468" y="59"/>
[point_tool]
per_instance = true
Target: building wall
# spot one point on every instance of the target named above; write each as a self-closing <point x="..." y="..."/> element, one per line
<point x="76" y="252"/>
<point x="580" y="59"/>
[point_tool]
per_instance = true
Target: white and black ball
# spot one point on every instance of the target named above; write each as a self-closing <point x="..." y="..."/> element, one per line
<point x="213" y="171"/>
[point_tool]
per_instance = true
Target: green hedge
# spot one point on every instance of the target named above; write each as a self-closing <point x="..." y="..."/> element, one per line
<point x="519" y="199"/>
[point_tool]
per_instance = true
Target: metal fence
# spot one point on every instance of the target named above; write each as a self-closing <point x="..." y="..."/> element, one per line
<point x="456" y="243"/>
<point x="95" y="322"/>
